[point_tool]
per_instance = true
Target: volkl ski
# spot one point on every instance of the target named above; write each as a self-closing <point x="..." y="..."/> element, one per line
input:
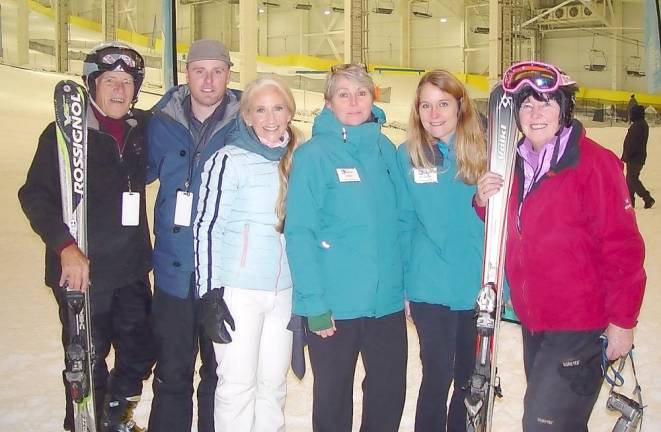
<point x="71" y="125"/>
<point x="484" y="384"/>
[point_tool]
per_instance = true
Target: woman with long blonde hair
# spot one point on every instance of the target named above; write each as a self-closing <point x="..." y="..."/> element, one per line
<point x="444" y="155"/>
<point x="242" y="273"/>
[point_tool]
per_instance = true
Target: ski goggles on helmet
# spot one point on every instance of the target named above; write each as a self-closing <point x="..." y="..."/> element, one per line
<point x="540" y="76"/>
<point x="114" y="58"/>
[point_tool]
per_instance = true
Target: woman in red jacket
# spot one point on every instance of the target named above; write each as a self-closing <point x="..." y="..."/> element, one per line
<point x="574" y="253"/>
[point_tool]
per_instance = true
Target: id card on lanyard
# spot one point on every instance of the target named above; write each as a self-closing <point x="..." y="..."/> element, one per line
<point x="130" y="208"/>
<point x="183" y="208"/>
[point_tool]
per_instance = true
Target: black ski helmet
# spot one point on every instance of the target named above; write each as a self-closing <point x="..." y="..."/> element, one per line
<point x="113" y="56"/>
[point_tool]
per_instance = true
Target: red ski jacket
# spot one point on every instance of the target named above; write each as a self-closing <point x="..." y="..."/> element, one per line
<point x="574" y="257"/>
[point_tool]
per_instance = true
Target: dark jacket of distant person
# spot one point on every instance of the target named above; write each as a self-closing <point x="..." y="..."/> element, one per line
<point x="635" y="143"/>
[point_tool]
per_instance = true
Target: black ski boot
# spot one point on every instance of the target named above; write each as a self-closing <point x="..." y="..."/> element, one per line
<point x="118" y="415"/>
<point x="649" y="202"/>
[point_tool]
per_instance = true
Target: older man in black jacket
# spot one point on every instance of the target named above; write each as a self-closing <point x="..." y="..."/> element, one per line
<point x="115" y="270"/>
<point x="634" y="155"/>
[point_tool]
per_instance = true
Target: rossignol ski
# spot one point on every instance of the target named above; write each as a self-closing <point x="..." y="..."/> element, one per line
<point x="484" y="384"/>
<point x="71" y="121"/>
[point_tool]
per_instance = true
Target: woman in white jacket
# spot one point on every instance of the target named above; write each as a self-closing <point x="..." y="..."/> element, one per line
<point x="242" y="272"/>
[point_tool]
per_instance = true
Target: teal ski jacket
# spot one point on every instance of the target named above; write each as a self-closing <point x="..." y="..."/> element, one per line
<point x="446" y="246"/>
<point x="343" y="226"/>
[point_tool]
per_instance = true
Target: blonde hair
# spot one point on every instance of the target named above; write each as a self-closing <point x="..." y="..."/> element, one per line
<point x="350" y="71"/>
<point x="258" y="84"/>
<point x="470" y="144"/>
<point x="284" y="167"/>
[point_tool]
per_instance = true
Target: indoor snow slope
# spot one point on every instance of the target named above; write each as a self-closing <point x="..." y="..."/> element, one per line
<point x="31" y="395"/>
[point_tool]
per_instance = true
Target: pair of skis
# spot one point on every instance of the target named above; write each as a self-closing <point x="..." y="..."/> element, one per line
<point x="484" y="384"/>
<point x="71" y="128"/>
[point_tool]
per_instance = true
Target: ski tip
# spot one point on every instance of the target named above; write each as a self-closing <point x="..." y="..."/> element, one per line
<point x="66" y="87"/>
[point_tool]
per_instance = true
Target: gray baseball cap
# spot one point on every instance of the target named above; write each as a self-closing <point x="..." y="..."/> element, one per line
<point x="208" y="49"/>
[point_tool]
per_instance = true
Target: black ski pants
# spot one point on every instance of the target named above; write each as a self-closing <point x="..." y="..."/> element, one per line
<point x="382" y="344"/>
<point x="447" y="353"/>
<point x="120" y="319"/>
<point x="179" y="337"/>
<point x="563" y="370"/>
<point x="634" y="184"/>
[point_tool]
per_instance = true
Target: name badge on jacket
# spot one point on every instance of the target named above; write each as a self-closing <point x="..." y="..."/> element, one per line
<point x="130" y="208"/>
<point x="425" y="175"/>
<point x="347" y="175"/>
<point x="183" y="208"/>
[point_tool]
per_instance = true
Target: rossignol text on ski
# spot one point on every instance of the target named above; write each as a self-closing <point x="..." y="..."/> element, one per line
<point x="484" y="384"/>
<point x="71" y="121"/>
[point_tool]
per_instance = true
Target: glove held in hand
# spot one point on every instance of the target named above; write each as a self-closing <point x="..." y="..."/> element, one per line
<point x="215" y="316"/>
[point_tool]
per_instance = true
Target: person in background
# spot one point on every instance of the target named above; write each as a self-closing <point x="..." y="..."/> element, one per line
<point x="634" y="155"/>
<point x="343" y="244"/>
<point x="632" y="103"/>
<point x="190" y="123"/>
<point x="574" y="253"/>
<point x="441" y="160"/>
<point x="242" y="273"/>
<point x="115" y="270"/>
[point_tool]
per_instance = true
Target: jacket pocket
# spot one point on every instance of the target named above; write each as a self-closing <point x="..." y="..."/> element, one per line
<point x="246" y="240"/>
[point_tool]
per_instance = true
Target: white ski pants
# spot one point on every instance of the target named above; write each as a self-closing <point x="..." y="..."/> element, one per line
<point x="252" y="369"/>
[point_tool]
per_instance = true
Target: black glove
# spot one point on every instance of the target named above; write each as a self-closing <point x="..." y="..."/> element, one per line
<point x="298" y="326"/>
<point x="214" y="314"/>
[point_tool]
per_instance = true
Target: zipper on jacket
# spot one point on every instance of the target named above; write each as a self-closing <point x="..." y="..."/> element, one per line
<point x="525" y="299"/>
<point x="376" y="295"/>
<point x="524" y="294"/>
<point x="277" y="275"/>
<point x="344" y="134"/>
<point x="120" y="155"/>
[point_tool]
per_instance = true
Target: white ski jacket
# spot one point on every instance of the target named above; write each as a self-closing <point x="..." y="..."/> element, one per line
<point x="235" y="240"/>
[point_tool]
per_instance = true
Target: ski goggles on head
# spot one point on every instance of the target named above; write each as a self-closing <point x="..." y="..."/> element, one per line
<point x="117" y="59"/>
<point x="540" y="76"/>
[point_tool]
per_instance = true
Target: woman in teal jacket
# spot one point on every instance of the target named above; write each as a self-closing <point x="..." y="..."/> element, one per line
<point x="440" y="162"/>
<point x="343" y="244"/>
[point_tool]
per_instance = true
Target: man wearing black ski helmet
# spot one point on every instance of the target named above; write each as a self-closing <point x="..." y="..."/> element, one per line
<point x="115" y="269"/>
<point x="115" y="57"/>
